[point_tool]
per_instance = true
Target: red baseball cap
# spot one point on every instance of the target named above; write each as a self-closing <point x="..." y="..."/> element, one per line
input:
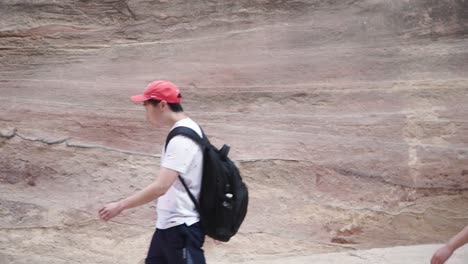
<point x="159" y="90"/>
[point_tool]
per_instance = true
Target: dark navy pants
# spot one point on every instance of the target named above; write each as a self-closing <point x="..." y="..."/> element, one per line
<point x="180" y="244"/>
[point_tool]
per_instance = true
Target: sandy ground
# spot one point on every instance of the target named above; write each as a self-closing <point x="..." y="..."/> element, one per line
<point x="395" y="255"/>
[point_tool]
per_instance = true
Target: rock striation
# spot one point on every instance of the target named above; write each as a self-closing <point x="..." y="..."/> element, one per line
<point x="348" y="120"/>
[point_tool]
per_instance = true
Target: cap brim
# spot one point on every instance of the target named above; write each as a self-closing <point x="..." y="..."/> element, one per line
<point x="139" y="98"/>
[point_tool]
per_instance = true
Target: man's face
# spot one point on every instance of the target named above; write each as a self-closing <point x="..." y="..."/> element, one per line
<point x="154" y="114"/>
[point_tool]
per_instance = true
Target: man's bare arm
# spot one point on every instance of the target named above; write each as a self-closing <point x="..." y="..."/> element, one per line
<point x="459" y="239"/>
<point x="156" y="189"/>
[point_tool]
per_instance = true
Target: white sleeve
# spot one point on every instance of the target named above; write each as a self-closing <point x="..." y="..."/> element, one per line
<point x="179" y="154"/>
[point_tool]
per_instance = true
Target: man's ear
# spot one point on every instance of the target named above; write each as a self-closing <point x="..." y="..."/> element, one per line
<point x="163" y="104"/>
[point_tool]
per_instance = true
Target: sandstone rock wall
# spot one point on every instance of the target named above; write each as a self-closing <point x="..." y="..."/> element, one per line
<point x="348" y="119"/>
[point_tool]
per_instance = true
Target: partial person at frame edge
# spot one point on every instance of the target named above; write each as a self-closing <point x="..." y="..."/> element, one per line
<point x="444" y="253"/>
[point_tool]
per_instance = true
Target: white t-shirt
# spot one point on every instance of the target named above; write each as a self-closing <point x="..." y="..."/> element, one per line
<point x="184" y="156"/>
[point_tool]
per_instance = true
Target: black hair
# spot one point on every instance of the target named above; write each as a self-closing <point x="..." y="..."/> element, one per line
<point x="175" y="107"/>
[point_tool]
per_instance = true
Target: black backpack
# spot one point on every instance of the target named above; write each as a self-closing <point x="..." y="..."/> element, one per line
<point x="223" y="196"/>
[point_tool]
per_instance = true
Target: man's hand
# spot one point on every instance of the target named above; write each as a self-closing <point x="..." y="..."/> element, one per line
<point x="110" y="211"/>
<point x="441" y="255"/>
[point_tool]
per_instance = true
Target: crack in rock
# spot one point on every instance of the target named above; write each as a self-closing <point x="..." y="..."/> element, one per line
<point x="356" y="255"/>
<point x="14" y="132"/>
<point x="47" y="141"/>
<point x="85" y="146"/>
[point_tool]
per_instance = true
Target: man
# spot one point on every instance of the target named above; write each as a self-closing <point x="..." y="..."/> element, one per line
<point x="444" y="253"/>
<point x="178" y="237"/>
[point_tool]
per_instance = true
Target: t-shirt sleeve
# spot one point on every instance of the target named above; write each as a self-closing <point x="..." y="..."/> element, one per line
<point x="179" y="154"/>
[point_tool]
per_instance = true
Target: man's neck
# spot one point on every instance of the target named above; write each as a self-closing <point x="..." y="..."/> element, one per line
<point x="175" y="117"/>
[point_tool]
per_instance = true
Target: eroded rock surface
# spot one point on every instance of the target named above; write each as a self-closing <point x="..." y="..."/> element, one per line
<point x="348" y="120"/>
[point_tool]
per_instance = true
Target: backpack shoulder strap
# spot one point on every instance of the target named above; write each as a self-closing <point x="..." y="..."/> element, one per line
<point x="192" y="197"/>
<point x="188" y="132"/>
